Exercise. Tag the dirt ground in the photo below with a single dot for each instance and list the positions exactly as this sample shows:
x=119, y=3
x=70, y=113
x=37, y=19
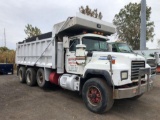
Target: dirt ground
x=21, y=102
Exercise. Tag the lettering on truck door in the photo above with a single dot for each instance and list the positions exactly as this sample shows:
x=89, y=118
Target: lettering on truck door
x=71, y=66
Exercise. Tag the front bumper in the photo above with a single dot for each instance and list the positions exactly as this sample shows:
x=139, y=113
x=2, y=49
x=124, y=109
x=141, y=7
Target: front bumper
x=133, y=91
x=153, y=73
x=153, y=77
x=121, y=93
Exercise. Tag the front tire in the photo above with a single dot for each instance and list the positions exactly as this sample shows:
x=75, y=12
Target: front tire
x=97, y=95
x=31, y=77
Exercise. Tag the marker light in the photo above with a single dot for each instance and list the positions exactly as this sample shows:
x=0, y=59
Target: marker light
x=113, y=61
x=84, y=32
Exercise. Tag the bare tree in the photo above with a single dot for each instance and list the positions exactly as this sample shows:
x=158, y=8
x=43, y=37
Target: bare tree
x=31, y=31
x=88, y=11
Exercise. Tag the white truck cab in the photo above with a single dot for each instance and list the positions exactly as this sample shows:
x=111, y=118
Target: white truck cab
x=79, y=61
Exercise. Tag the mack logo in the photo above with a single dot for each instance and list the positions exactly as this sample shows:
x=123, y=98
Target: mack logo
x=106, y=57
x=103, y=58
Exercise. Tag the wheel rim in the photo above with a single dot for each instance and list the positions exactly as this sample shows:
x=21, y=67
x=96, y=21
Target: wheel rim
x=94, y=96
x=40, y=77
x=28, y=77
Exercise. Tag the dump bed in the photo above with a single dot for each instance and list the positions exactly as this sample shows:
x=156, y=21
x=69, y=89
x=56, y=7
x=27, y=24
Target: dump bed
x=36, y=53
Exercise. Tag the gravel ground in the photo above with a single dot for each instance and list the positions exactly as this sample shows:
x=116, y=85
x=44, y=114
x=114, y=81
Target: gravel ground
x=21, y=102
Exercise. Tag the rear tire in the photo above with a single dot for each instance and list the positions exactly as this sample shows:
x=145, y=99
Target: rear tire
x=42, y=83
x=22, y=74
x=31, y=77
x=97, y=95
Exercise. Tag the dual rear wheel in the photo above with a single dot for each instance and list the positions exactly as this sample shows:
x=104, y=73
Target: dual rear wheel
x=32, y=77
x=22, y=74
x=42, y=83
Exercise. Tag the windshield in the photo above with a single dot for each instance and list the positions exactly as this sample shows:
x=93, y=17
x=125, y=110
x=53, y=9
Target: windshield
x=94, y=43
x=124, y=48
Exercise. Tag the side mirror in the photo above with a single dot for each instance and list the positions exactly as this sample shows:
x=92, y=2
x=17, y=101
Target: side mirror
x=65, y=42
x=156, y=57
x=130, y=47
x=80, y=54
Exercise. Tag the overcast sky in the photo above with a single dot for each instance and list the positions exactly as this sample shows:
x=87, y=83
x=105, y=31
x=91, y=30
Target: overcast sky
x=15, y=14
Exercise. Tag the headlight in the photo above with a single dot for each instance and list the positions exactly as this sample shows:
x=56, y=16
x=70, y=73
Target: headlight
x=124, y=75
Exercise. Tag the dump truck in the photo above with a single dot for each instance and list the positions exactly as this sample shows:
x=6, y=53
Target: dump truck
x=125, y=48
x=75, y=57
x=152, y=53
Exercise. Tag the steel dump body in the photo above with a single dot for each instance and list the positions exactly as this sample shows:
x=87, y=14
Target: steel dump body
x=30, y=53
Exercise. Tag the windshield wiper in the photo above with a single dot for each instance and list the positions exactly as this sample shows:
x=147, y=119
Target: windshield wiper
x=102, y=49
x=97, y=50
x=125, y=51
x=92, y=50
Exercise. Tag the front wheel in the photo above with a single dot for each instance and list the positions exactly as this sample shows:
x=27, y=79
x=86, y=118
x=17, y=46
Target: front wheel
x=97, y=95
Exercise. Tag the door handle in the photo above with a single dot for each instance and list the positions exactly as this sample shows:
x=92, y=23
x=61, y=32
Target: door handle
x=68, y=55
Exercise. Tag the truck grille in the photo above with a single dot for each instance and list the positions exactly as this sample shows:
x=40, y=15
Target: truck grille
x=152, y=63
x=135, y=66
x=153, y=70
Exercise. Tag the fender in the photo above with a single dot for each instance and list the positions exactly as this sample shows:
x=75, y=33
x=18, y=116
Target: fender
x=104, y=73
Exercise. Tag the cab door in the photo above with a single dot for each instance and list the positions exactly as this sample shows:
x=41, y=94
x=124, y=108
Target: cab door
x=70, y=57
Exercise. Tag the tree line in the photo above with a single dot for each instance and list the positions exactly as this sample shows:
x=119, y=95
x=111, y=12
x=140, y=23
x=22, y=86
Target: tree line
x=7, y=55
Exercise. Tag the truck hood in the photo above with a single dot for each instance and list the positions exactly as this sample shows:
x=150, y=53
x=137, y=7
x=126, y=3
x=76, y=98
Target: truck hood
x=151, y=58
x=123, y=62
x=148, y=57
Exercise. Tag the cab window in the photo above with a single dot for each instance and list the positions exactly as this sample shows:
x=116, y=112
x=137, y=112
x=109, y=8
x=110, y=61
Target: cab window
x=72, y=44
x=95, y=43
x=114, y=49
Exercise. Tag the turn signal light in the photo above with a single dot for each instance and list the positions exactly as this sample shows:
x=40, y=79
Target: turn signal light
x=113, y=61
x=99, y=33
x=84, y=32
